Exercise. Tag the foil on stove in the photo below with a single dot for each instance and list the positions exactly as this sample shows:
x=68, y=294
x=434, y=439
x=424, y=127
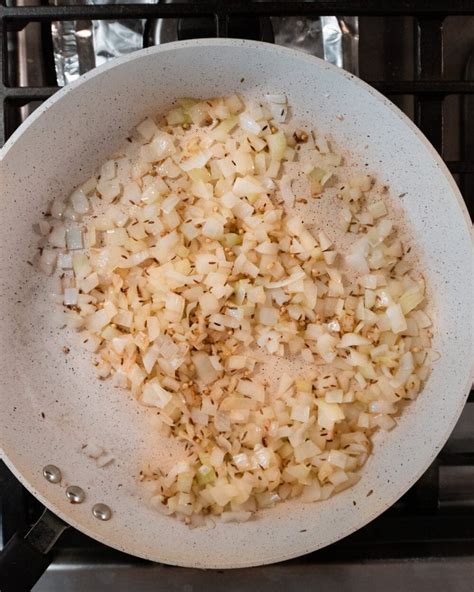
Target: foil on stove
x=79, y=46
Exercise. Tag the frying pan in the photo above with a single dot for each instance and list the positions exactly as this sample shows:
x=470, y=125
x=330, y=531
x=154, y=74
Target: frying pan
x=52, y=404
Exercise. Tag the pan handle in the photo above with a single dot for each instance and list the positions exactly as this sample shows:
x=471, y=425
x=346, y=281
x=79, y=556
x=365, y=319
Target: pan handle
x=25, y=558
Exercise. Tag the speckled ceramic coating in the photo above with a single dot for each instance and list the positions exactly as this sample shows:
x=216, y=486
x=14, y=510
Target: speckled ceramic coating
x=60, y=144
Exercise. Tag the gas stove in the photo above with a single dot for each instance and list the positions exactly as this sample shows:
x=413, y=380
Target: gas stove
x=421, y=55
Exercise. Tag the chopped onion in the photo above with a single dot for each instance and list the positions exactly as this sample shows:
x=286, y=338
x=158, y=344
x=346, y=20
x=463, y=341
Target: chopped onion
x=278, y=99
x=279, y=112
x=57, y=237
x=277, y=145
x=79, y=201
x=245, y=186
x=249, y=124
x=70, y=296
x=74, y=238
x=185, y=267
x=286, y=191
x=205, y=370
x=65, y=260
x=195, y=162
x=397, y=320
x=154, y=395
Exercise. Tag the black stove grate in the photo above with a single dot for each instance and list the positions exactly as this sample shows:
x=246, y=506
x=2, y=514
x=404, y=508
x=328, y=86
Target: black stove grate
x=422, y=523
x=428, y=88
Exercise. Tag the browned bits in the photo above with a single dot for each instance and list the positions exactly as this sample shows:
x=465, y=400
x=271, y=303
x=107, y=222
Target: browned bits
x=273, y=129
x=300, y=136
x=186, y=126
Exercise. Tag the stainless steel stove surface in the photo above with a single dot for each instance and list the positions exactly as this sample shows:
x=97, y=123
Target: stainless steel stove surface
x=426, y=540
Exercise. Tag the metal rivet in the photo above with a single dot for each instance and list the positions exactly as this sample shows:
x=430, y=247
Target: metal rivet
x=102, y=512
x=75, y=494
x=52, y=474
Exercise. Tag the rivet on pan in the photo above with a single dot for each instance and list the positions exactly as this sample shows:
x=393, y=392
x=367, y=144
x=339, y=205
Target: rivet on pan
x=52, y=474
x=102, y=512
x=75, y=494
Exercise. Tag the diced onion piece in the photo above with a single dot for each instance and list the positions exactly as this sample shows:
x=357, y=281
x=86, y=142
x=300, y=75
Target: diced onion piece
x=377, y=209
x=279, y=112
x=249, y=124
x=411, y=299
x=268, y=315
x=97, y=321
x=195, y=162
x=162, y=145
x=324, y=242
x=154, y=395
x=331, y=412
x=397, y=319
x=70, y=296
x=79, y=201
x=89, y=283
x=277, y=145
x=205, y=370
x=74, y=239
x=287, y=193
x=405, y=369
x=212, y=228
x=278, y=99
x=251, y=389
x=351, y=339
x=65, y=260
x=245, y=186
x=147, y=129
x=57, y=237
x=57, y=208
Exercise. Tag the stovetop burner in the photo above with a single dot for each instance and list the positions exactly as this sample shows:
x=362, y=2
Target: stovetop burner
x=200, y=27
x=238, y=27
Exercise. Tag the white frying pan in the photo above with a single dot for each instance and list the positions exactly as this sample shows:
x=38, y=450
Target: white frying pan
x=58, y=146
